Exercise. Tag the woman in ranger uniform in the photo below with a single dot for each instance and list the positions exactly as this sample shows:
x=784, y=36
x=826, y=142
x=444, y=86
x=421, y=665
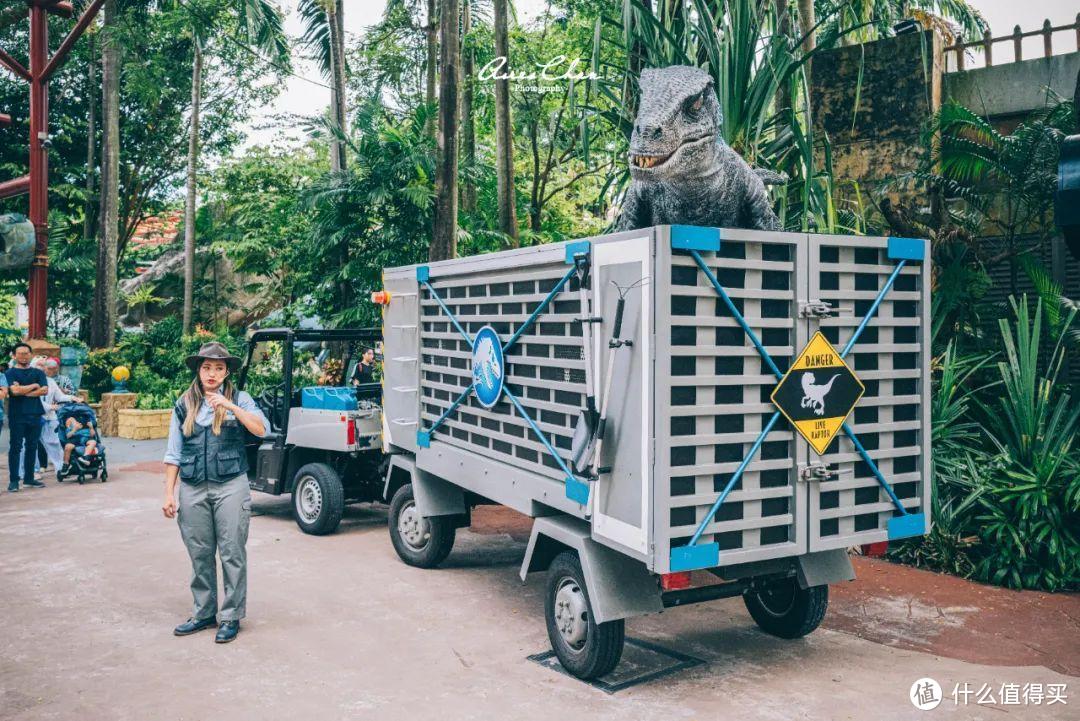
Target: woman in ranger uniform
x=206, y=454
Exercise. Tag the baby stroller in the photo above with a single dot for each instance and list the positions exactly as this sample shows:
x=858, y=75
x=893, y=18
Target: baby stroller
x=83, y=429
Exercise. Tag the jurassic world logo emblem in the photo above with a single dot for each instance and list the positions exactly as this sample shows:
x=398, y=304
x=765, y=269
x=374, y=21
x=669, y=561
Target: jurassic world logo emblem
x=489, y=373
x=818, y=393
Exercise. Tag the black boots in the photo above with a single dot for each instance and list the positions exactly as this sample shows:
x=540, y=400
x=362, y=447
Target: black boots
x=227, y=631
x=193, y=625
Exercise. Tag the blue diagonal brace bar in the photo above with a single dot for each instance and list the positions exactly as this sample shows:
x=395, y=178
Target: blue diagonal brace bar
x=572, y=484
x=539, y=309
x=446, y=310
x=424, y=437
x=736, y=476
x=735, y=312
x=873, y=309
x=706, y=555
x=843, y=354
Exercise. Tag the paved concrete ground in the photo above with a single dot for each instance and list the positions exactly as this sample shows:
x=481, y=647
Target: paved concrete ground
x=92, y=580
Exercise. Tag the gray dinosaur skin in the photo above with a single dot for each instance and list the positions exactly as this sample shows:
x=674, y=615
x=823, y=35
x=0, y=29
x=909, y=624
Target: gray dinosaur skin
x=681, y=170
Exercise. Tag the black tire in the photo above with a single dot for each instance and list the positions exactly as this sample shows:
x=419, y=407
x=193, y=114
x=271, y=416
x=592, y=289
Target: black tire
x=420, y=542
x=104, y=475
x=318, y=499
x=785, y=610
x=598, y=651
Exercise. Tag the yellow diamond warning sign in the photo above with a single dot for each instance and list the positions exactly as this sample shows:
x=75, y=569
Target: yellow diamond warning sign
x=818, y=393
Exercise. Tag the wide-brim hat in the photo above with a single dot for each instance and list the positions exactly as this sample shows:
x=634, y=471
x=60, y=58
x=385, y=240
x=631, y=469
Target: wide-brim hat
x=213, y=351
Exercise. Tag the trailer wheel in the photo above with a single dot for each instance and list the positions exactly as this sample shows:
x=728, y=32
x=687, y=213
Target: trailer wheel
x=585, y=648
x=419, y=541
x=318, y=499
x=784, y=609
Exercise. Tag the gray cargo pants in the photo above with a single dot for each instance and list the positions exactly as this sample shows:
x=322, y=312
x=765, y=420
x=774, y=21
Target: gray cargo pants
x=213, y=517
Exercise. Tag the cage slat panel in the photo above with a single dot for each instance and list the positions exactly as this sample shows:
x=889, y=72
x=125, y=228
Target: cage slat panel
x=890, y=359
x=715, y=389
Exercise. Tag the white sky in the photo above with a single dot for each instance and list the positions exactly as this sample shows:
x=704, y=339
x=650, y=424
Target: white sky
x=301, y=98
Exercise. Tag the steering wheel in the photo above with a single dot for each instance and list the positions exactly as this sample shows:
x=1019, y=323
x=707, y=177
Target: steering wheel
x=272, y=402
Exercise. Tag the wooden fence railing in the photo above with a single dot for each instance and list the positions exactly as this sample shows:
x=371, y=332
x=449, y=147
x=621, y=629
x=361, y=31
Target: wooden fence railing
x=1017, y=38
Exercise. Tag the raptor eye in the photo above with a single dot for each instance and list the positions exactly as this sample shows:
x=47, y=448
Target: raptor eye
x=694, y=105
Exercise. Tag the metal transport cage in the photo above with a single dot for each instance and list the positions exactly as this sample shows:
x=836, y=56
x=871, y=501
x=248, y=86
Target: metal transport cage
x=493, y=363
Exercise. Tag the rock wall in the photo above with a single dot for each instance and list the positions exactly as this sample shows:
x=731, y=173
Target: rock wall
x=871, y=101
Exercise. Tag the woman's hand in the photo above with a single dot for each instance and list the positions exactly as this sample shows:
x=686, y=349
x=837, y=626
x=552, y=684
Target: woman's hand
x=217, y=400
x=169, y=506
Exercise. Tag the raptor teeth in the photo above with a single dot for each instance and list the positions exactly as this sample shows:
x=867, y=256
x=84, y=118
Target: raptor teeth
x=648, y=161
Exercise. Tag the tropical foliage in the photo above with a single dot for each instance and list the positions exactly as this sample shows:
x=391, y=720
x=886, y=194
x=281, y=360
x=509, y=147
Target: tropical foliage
x=309, y=226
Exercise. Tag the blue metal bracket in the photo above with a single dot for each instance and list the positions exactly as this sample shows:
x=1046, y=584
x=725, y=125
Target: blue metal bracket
x=575, y=489
x=707, y=555
x=693, y=237
x=906, y=249
x=579, y=247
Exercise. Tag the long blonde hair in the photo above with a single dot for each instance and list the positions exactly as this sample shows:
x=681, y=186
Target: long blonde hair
x=193, y=400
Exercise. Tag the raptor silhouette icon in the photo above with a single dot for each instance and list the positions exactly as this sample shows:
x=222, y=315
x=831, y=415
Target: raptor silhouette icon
x=814, y=395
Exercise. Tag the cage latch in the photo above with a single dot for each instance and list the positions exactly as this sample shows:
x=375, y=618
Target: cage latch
x=816, y=472
x=815, y=309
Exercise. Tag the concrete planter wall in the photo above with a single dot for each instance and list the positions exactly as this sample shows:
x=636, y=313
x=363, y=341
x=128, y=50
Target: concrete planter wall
x=143, y=425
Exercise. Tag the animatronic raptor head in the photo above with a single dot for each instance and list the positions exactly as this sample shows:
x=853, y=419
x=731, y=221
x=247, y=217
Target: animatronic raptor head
x=677, y=126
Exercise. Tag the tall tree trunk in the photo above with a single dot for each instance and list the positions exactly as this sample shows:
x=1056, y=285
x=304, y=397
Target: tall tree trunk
x=444, y=240
x=192, y=187
x=504, y=137
x=807, y=21
x=468, y=129
x=432, y=48
x=336, y=21
x=103, y=329
x=91, y=144
x=338, y=162
x=783, y=28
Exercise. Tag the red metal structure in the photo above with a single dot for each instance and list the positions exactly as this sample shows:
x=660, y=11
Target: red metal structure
x=42, y=67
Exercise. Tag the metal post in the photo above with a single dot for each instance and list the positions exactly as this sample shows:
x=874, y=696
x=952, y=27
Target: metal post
x=37, y=181
x=39, y=169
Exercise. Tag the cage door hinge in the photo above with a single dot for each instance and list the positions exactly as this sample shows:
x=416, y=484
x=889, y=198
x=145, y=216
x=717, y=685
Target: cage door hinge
x=815, y=309
x=816, y=472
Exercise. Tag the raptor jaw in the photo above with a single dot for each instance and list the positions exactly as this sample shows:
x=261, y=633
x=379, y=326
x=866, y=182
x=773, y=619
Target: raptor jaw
x=646, y=161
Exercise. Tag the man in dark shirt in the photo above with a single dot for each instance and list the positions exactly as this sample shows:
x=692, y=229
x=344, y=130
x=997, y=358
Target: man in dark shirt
x=26, y=386
x=365, y=369
x=364, y=375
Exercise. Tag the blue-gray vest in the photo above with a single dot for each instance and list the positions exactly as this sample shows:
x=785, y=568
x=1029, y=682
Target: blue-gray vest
x=206, y=457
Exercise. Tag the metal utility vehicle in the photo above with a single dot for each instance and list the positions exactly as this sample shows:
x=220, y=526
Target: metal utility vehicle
x=662, y=401
x=324, y=456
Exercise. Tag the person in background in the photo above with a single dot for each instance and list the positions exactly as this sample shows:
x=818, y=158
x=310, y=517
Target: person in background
x=38, y=362
x=3, y=394
x=51, y=402
x=65, y=383
x=365, y=369
x=364, y=374
x=26, y=387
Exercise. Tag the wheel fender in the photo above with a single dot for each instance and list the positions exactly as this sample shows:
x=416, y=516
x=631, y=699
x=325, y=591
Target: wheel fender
x=823, y=568
x=619, y=586
x=433, y=495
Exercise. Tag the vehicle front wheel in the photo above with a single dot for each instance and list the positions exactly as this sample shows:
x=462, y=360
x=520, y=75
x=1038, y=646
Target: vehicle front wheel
x=419, y=541
x=318, y=499
x=585, y=648
x=785, y=610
